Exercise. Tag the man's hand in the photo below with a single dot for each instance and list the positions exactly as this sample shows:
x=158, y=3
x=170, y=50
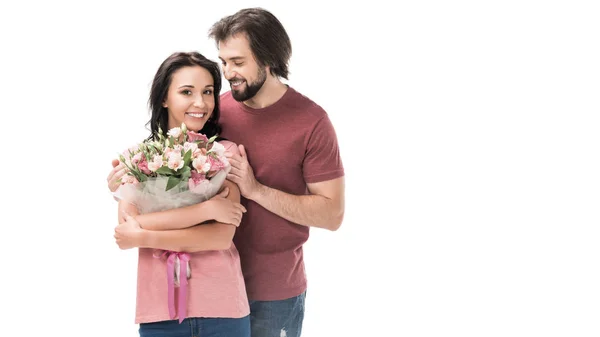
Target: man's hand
x=128, y=234
x=242, y=174
x=117, y=173
x=224, y=210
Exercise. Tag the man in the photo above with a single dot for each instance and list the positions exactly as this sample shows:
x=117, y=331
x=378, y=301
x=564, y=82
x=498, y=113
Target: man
x=290, y=172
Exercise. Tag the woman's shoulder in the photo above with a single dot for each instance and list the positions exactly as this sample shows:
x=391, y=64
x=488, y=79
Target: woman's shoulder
x=230, y=146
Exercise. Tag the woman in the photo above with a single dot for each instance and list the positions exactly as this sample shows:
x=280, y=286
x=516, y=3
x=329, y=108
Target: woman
x=186, y=90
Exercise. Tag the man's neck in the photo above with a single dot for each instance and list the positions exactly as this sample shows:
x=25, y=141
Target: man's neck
x=271, y=92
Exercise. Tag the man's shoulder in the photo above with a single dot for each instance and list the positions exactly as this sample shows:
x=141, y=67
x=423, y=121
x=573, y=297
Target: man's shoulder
x=305, y=104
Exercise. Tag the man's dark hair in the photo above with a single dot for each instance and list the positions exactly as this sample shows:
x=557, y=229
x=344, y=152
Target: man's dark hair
x=268, y=40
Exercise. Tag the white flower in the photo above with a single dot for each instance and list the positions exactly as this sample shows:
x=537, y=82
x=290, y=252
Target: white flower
x=217, y=148
x=190, y=146
x=175, y=161
x=156, y=163
x=201, y=164
x=174, y=132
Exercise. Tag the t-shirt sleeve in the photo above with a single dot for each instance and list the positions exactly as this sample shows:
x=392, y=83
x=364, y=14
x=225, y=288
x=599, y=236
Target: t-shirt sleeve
x=230, y=147
x=322, y=161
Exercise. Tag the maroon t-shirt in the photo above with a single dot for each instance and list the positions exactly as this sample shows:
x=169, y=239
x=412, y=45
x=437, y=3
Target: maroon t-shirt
x=288, y=144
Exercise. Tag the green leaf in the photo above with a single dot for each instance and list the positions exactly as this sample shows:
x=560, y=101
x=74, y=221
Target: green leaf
x=187, y=157
x=138, y=175
x=186, y=173
x=165, y=170
x=172, y=182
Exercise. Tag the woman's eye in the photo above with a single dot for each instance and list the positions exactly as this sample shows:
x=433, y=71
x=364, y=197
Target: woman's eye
x=186, y=92
x=208, y=92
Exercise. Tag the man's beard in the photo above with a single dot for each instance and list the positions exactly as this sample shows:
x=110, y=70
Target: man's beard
x=251, y=88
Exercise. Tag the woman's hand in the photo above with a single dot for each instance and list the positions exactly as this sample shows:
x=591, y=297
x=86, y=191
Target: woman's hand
x=117, y=173
x=223, y=210
x=128, y=234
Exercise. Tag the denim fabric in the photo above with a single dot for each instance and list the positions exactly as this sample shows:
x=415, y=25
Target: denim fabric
x=277, y=318
x=196, y=327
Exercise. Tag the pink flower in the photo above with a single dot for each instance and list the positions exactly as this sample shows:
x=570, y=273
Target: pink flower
x=196, y=181
x=216, y=164
x=136, y=158
x=143, y=166
x=194, y=136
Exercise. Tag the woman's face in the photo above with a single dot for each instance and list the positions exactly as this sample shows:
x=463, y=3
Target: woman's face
x=190, y=98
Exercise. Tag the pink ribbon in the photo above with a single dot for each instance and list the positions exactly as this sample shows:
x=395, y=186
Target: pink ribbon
x=183, y=259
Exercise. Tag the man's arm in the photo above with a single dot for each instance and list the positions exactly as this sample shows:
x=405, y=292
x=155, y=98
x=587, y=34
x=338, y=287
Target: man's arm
x=323, y=208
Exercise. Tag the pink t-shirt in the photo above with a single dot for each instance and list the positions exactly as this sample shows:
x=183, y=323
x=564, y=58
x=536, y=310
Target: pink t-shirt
x=216, y=288
x=289, y=144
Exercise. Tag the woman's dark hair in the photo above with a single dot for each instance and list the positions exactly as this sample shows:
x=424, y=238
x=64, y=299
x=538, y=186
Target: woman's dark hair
x=268, y=40
x=160, y=88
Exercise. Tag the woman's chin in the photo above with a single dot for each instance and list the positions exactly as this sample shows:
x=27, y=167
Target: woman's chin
x=194, y=125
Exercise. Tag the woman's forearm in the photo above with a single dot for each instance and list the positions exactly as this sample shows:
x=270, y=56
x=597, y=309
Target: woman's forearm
x=177, y=218
x=210, y=236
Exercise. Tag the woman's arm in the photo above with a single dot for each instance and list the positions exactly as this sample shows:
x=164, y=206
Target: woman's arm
x=211, y=236
x=219, y=208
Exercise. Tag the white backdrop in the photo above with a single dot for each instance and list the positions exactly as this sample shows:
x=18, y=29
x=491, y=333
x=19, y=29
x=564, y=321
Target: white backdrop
x=468, y=129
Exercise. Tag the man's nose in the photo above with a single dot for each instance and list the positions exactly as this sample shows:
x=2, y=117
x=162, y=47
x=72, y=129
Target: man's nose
x=227, y=73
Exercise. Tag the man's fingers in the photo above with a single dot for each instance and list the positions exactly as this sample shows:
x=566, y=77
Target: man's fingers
x=234, y=178
x=235, y=163
x=242, y=150
x=233, y=156
x=236, y=171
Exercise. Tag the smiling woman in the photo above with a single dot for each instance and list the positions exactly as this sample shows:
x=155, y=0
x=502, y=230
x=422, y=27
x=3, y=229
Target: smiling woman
x=186, y=88
x=185, y=92
x=190, y=99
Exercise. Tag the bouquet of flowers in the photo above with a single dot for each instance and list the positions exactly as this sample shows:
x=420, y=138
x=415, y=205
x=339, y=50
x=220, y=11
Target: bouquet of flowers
x=181, y=169
x=177, y=170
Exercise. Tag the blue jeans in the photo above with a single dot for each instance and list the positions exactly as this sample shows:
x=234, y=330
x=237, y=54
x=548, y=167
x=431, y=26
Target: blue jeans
x=195, y=327
x=277, y=318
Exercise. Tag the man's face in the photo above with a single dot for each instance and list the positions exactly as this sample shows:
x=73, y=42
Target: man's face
x=244, y=74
